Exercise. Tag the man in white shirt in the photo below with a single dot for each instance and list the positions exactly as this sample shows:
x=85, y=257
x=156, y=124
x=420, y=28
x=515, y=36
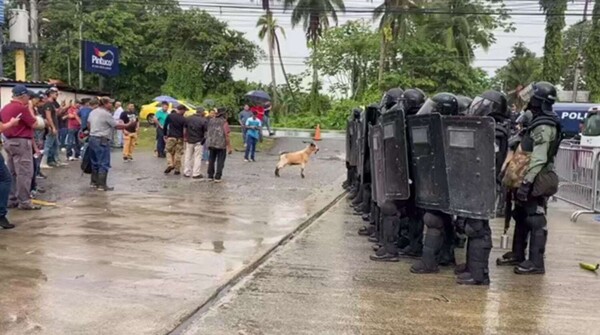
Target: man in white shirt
x=118, y=141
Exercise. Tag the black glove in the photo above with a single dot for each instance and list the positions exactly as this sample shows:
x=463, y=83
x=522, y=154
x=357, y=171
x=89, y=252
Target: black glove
x=523, y=191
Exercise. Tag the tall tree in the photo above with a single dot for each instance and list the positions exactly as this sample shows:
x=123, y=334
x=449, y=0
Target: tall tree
x=268, y=29
x=592, y=51
x=521, y=69
x=553, y=44
x=314, y=14
x=394, y=23
x=460, y=26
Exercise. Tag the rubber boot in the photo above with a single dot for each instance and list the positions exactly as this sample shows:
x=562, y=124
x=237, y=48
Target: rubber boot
x=537, y=248
x=478, y=253
x=102, y=186
x=431, y=251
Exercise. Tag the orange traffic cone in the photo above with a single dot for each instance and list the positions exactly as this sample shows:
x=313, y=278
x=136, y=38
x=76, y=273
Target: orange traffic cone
x=317, y=133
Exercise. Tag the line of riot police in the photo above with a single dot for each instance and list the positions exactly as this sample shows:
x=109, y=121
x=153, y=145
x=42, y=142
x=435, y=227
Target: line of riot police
x=442, y=163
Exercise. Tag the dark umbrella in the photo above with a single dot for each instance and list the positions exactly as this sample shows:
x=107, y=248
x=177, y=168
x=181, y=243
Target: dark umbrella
x=258, y=95
x=166, y=98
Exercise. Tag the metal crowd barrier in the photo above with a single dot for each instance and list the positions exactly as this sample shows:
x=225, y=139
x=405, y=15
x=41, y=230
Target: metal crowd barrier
x=577, y=169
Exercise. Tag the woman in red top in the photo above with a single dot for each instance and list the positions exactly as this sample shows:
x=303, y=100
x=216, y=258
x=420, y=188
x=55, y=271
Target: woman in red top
x=73, y=125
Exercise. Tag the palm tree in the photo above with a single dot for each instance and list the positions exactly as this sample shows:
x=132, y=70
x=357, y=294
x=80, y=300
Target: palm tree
x=314, y=14
x=268, y=29
x=394, y=24
x=460, y=31
x=553, y=44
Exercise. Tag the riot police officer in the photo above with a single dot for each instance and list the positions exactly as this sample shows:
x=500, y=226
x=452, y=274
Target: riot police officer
x=476, y=272
x=542, y=139
x=351, y=150
x=463, y=103
x=438, y=223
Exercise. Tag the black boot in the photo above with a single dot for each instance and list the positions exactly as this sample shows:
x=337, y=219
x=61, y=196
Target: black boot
x=94, y=180
x=519, y=244
x=446, y=257
x=478, y=253
x=102, y=186
x=431, y=251
x=415, y=234
x=5, y=224
x=537, y=248
x=389, y=250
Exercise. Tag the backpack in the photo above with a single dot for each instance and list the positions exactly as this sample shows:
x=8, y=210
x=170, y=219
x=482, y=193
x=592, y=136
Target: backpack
x=86, y=161
x=216, y=137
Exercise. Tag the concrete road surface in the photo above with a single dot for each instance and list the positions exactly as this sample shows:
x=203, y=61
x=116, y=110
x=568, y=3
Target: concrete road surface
x=141, y=259
x=323, y=282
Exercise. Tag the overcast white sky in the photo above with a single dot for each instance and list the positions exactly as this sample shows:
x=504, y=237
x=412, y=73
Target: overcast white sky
x=529, y=29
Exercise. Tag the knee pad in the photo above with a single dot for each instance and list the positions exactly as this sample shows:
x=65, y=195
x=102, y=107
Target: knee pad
x=388, y=208
x=474, y=227
x=536, y=222
x=433, y=221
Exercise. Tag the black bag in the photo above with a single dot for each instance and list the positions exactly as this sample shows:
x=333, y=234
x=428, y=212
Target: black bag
x=86, y=161
x=545, y=184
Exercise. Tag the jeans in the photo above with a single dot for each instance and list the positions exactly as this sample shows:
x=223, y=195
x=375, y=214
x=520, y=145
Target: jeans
x=250, y=147
x=51, y=148
x=73, y=145
x=62, y=137
x=36, y=172
x=244, y=133
x=20, y=164
x=216, y=156
x=267, y=123
x=100, y=155
x=5, y=182
x=160, y=142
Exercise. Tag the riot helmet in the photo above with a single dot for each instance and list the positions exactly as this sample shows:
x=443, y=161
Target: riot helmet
x=490, y=103
x=524, y=119
x=356, y=113
x=442, y=103
x=391, y=97
x=463, y=103
x=412, y=100
x=540, y=96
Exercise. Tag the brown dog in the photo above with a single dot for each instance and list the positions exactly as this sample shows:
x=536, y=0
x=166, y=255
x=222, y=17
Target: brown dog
x=297, y=158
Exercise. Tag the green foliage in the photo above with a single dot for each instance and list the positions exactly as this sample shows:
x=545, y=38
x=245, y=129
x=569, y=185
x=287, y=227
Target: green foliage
x=521, y=69
x=571, y=39
x=553, y=44
x=592, y=50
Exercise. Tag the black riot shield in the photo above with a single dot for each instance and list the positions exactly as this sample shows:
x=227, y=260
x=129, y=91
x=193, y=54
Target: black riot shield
x=395, y=156
x=373, y=149
x=354, y=145
x=428, y=162
x=469, y=146
x=349, y=130
x=368, y=117
x=378, y=174
x=361, y=146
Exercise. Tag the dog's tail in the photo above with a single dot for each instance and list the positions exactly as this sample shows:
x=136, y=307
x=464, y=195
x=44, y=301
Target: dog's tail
x=281, y=153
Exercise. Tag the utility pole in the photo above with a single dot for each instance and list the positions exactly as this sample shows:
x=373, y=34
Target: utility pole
x=579, y=51
x=34, y=39
x=80, y=5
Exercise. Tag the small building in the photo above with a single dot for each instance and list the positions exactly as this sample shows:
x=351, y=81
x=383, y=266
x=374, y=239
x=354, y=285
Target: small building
x=66, y=95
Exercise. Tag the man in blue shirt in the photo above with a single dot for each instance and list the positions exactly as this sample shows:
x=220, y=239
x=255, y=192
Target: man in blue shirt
x=159, y=120
x=253, y=126
x=85, y=110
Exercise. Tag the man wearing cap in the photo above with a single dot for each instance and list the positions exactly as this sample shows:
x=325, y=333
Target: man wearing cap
x=102, y=125
x=174, y=125
x=159, y=120
x=19, y=148
x=219, y=145
x=195, y=131
x=51, y=110
x=131, y=133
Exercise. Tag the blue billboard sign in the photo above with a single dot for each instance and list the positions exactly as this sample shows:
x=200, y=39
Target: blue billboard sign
x=100, y=58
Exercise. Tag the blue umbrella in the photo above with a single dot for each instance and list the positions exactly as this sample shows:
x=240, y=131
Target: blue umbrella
x=166, y=98
x=260, y=95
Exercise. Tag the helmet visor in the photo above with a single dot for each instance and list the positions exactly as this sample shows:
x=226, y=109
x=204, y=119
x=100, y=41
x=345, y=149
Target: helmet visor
x=428, y=107
x=481, y=107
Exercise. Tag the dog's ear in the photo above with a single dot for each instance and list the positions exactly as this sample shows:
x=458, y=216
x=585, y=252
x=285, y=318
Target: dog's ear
x=307, y=142
x=313, y=144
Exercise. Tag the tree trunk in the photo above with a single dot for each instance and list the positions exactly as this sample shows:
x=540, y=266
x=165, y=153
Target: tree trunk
x=315, y=83
x=273, y=80
x=382, y=52
x=287, y=82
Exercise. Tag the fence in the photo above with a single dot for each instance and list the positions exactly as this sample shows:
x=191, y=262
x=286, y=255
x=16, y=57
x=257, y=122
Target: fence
x=577, y=169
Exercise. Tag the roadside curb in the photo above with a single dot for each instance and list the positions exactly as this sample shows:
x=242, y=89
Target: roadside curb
x=223, y=289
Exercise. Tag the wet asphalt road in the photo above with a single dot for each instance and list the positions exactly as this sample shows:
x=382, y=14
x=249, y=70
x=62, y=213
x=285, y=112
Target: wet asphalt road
x=140, y=259
x=323, y=282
